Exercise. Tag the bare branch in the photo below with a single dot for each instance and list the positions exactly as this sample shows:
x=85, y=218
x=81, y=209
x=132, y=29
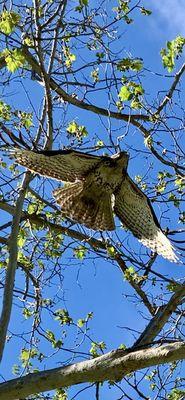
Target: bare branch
x=162, y=316
x=12, y=264
x=136, y=286
x=79, y=103
x=169, y=95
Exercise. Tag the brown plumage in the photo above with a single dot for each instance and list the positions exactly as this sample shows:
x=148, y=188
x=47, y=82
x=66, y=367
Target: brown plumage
x=99, y=186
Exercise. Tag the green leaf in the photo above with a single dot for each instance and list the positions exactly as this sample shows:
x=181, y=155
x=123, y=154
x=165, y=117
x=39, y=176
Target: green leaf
x=126, y=63
x=26, y=119
x=3, y=164
x=125, y=93
x=176, y=394
x=100, y=55
x=172, y=287
x=95, y=75
x=51, y=337
x=8, y=21
x=14, y=59
x=132, y=91
x=69, y=57
x=175, y=200
x=111, y=251
x=72, y=127
x=60, y=394
x=138, y=89
x=80, y=252
x=21, y=238
x=99, y=143
x=78, y=131
x=81, y=322
x=173, y=52
x=144, y=11
x=160, y=188
x=95, y=347
x=136, y=104
x=27, y=313
x=63, y=317
x=5, y=111
x=122, y=346
x=132, y=276
x=128, y=20
x=180, y=182
x=26, y=355
x=28, y=41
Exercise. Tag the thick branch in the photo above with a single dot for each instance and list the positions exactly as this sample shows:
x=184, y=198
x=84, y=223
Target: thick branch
x=162, y=316
x=12, y=264
x=111, y=366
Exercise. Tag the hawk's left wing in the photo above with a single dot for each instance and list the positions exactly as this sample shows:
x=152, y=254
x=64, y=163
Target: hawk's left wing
x=134, y=210
x=63, y=165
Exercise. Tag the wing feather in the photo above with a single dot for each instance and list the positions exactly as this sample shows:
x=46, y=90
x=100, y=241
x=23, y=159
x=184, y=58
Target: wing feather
x=135, y=212
x=63, y=165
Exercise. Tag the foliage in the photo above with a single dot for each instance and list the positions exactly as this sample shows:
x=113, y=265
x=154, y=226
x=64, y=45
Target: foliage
x=14, y=59
x=173, y=52
x=8, y=21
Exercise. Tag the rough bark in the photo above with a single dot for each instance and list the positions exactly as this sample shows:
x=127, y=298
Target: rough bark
x=111, y=366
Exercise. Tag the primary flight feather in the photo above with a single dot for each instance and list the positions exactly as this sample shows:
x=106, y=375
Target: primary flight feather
x=99, y=186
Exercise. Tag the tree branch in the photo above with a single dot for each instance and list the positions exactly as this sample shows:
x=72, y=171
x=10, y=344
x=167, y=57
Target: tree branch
x=12, y=264
x=136, y=286
x=79, y=103
x=133, y=119
x=95, y=244
x=169, y=95
x=160, y=319
x=111, y=366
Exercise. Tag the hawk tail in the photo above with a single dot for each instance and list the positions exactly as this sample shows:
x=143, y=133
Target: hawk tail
x=79, y=205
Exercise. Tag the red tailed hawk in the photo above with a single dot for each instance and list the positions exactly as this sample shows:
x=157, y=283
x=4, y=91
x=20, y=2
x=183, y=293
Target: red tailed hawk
x=99, y=186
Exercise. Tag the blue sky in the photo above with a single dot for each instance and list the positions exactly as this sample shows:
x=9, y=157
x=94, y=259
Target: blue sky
x=97, y=285
x=168, y=12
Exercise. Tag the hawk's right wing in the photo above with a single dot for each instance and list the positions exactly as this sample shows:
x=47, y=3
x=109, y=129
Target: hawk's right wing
x=63, y=165
x=134, y=210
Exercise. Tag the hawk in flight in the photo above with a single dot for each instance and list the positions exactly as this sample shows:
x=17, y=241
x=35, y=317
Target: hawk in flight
x=98, y=187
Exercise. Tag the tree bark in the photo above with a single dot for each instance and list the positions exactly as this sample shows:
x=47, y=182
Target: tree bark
x=111, y=366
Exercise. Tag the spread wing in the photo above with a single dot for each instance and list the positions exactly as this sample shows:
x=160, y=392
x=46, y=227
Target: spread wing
x=63, y=165
x=135, y=212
